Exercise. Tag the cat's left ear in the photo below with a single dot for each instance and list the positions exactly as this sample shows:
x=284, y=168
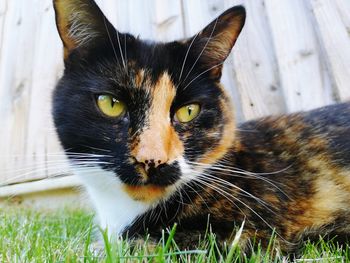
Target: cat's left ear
x=214, y=43
x=81, y=23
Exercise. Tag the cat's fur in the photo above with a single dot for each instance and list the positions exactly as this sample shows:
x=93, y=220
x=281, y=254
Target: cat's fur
x=145, y=170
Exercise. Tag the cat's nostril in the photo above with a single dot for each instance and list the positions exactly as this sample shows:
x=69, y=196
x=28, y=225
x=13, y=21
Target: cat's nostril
x=148, y=163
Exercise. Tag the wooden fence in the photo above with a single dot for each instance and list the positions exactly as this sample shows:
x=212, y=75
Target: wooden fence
x=292, y=55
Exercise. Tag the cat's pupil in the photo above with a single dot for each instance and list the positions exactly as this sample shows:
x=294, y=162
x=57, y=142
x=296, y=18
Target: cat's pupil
x=189, y=110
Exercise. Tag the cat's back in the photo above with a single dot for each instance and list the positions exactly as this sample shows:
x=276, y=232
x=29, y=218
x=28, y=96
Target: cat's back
x=333, y=123
x=321, y=132
x=307, y=150
x=336, y=114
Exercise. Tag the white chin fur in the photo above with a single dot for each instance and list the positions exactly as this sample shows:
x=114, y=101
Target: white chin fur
x=115, y=209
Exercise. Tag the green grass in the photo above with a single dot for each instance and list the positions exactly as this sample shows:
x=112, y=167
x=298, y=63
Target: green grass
x=68, y=236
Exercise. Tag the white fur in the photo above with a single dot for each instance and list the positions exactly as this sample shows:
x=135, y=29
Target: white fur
x=186, y=171
x=115, y=208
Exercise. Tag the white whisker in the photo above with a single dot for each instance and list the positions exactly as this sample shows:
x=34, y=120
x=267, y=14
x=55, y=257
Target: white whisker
x=186, y=55
x=111, y=41
x=205, y=71
x=229, y=186
x=235, y=172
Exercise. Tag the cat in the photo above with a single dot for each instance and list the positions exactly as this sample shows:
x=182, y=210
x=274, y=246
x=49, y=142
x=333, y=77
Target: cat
x=150, y=131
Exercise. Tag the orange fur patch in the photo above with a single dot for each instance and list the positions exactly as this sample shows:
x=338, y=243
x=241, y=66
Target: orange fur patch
x=331, y=196
x=159, y=141
x=331, y=192
x=146, y=193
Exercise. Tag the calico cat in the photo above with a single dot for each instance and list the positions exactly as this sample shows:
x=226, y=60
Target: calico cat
x=150, y=131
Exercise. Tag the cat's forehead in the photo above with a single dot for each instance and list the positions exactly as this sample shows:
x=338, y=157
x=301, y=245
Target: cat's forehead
x=146, y=68
x=142, y=77
x=160, y=85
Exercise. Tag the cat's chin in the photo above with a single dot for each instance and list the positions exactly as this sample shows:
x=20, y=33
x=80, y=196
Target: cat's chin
x=149, y=193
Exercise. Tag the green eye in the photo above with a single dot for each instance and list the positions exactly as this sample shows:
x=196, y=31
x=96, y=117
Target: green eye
x=188, y=112
x=110, y=106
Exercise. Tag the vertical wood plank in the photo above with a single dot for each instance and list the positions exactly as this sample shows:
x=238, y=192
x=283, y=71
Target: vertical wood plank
x=301, y=68
x=333, y=27
x=3, y=9
x=198, y=13
x=126, y=16
x=47, y=66
x=343, y=7
x=255, y=68
x=31, y=55
x=140, y=11
x=168, y=20
x=15, y=86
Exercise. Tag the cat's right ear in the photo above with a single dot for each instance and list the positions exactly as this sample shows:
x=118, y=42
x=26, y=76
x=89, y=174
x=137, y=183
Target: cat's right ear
x=81, y=23
x=213, y=44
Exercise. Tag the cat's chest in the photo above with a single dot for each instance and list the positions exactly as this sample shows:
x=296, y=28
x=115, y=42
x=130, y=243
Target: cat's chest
x=115, y=209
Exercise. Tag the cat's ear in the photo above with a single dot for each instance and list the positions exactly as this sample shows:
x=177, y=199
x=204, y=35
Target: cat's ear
x=81, y=23
x=214, y=43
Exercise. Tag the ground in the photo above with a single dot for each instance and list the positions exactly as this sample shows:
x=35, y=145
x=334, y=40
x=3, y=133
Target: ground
x=70, y=236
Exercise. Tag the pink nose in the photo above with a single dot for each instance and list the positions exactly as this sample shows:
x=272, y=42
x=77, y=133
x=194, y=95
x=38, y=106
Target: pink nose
x=151, y=158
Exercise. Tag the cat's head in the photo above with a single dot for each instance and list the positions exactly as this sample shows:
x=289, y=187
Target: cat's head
x=148, y=112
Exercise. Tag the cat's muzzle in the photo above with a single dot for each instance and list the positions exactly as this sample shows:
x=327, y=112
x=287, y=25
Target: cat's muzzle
x=161, y=175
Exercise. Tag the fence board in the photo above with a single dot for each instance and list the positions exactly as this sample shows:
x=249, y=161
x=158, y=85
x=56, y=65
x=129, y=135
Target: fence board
x=330, y=18
x=3, y=9
x=255, y=66
x=168, y=20
x=15, y=70
x=46, y=66
x=300, y=66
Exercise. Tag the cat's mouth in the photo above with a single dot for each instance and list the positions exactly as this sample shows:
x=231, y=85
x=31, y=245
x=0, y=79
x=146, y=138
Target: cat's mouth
x=155, y=183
